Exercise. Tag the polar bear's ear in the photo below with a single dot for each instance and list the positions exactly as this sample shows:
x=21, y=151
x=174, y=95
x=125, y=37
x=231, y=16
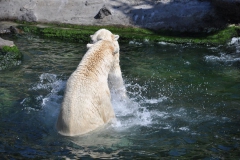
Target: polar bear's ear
x=116, y=37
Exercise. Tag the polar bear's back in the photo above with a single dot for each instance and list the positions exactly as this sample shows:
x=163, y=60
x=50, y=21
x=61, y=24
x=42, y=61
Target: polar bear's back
x=87, y=102
x=98, y=56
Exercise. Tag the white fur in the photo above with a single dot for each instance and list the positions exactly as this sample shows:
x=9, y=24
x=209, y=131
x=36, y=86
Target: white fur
x=87, y=101
x=115, y=80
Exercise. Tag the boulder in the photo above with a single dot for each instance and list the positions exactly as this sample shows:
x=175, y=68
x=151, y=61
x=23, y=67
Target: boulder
x=7, y=27
x=184, y=15
x=229, y=10
x=5, y=43
x=103, y=12
x=28, y=16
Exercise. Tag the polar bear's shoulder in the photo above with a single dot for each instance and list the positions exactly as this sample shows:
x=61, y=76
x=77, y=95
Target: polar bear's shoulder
x=101, y=44
x=98, y=55
x=101, y=47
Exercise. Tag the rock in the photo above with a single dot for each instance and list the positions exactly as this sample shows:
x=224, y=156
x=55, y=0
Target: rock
x=184, y=15
x=228, y=9
x=6, y=43
x=5, y=27
x=13, y=30
x=5, y=31
x=104, y=11
x=29, y=16
x=27, y=12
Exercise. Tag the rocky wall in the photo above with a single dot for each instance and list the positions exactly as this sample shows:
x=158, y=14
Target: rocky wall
x=184, y=15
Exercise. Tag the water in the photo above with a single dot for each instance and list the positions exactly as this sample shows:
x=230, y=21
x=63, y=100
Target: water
x=185, y=103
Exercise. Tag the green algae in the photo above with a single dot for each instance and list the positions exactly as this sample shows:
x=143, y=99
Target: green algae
x=78, y=33
x=13, y=49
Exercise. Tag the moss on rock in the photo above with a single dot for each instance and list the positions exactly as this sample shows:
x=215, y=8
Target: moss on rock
x=81, y=33
x=9, y=56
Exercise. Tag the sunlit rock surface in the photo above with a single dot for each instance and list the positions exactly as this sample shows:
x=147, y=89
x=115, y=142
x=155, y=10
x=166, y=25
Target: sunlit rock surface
x=184, y=15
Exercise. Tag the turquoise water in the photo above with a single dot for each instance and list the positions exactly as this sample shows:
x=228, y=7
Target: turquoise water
x=185, y=103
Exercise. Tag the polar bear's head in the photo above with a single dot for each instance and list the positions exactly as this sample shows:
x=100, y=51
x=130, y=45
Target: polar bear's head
x=104, y=34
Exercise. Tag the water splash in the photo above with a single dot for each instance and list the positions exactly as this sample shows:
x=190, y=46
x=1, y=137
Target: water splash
x=48, y=100
x=227, y=59
x=135, y=112
x=134, y=42
x=234, y=41
x=166, y=43
x=230, y=57
x=138, y=111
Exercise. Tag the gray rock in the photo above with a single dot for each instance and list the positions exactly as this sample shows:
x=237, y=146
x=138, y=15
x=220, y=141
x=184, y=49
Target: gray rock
x=228, y=10
x=4, y=27
x=104, y=11
x=6, y=43
x=183, y=15
x=9, y=27
x=28, y=11
x=5, y=31
x=29, y=16
x=14, y=30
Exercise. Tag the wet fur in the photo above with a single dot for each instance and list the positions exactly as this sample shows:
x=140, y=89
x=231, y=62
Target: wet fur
x=87, y=100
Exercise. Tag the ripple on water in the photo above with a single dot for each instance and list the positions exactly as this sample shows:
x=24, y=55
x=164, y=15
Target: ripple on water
x=183, y=104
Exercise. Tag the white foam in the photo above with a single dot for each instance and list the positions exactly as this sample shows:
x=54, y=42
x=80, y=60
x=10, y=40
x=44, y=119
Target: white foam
x=226, y=58
x=129, y=113
x=234, y=41
x=134, y=42
x=146, y=40
x=187, y=63
x=166, y=43
x=50, y=103
x=137, y=111
x=184, y=129
x=154, y=100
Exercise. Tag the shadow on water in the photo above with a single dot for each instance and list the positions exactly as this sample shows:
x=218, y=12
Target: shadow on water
x=184, y=103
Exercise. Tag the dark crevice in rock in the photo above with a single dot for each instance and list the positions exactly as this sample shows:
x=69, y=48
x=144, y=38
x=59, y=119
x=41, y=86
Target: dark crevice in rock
x=103, y=12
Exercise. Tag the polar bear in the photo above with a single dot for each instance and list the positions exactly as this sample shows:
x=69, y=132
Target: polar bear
x=115, y=80
x=87, y=100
